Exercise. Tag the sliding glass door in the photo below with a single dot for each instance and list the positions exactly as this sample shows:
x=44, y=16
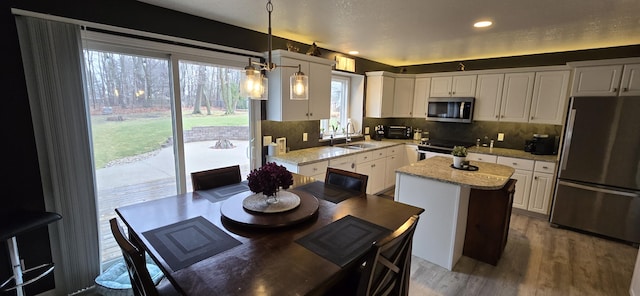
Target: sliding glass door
x=155, y=117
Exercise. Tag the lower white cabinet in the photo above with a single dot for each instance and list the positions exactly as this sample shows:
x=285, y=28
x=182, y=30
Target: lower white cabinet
x=375, y=169
x=316, y=170
x=482, y=157
x=523, y=188
x=542, y=187
x=347, y=163
x=393, y=162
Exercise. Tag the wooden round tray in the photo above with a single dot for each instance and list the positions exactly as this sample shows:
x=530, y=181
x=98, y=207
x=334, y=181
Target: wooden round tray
x=233, y=210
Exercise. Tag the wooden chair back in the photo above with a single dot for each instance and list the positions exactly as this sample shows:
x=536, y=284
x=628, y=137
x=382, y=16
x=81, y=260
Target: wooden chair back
x=388, y=263
x=347, y=179
x=141, y=281
x=214, y=178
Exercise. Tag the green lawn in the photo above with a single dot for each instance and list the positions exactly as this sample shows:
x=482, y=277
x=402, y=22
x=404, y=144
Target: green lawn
x=145, y=133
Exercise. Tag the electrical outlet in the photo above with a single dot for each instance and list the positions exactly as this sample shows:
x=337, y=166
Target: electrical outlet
x=266, y=140
x=304, y=137
x=500, y=137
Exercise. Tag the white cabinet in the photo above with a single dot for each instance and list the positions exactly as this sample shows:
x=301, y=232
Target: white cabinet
x=411, y=154
x=347, y=163
x=393, y=161
x=488, y=97
x=630, y=85
x=316, y=170
x=453, y=86
x=420, y=96
x=607, y=80
x=279, y=105
x=516, y=97
x=597, y=80
x=375, y=169
x=524, y=175
x=523, y=188
x=482, y=157
x=380, y=92
x=549, y=97
x=541, y=187
x=403, y=96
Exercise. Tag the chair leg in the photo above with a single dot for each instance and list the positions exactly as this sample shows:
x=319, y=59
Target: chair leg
x=12, y=245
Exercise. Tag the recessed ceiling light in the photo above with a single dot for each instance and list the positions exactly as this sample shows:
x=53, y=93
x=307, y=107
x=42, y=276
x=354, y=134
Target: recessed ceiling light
x=482, y=24
x=354, y=52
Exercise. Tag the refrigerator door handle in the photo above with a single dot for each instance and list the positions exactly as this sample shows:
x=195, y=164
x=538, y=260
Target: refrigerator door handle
x=598, y=189
x=567, y=139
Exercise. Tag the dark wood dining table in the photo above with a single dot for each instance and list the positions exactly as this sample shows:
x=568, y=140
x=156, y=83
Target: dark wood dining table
x=268, y=261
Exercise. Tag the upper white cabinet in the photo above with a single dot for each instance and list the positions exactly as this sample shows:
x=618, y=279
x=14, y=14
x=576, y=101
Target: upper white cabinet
x=380, y=92
x=403, y=96
x=630, y=85
x=420, y=96
x=488, y=97
x=516, y=97
x=607, y=80
x=279, y=105
x=453, y=86
x=549, y=97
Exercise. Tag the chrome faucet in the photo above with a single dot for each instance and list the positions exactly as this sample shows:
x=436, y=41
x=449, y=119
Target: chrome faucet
x=348, y=138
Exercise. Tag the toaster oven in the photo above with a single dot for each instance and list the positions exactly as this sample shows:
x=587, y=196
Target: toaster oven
x=397, y=132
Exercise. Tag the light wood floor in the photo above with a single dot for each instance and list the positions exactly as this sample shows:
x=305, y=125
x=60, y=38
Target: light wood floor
x=538, y=260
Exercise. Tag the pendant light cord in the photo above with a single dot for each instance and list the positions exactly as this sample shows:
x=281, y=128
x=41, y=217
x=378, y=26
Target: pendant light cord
x=270, y=65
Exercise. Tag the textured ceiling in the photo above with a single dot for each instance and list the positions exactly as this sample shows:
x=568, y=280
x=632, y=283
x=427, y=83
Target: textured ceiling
x=412, y=32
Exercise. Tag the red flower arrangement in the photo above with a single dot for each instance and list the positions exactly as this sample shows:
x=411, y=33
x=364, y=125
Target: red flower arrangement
x=269, y=178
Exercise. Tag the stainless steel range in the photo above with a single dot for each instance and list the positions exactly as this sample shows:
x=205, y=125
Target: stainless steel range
x=433, y=147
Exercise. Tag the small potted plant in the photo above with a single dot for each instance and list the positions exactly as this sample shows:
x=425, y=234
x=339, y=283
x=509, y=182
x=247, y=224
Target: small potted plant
x=459, y=154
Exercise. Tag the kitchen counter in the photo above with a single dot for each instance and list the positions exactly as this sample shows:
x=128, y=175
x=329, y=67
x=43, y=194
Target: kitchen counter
x=512, y=153
x=316, y=154
x=489, y=176
x=444, y=194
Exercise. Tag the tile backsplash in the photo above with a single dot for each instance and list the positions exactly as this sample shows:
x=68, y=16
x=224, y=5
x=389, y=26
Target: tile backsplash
x=515, y=133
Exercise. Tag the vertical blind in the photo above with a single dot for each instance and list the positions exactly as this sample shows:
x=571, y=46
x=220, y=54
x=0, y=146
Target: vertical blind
x=52, y=59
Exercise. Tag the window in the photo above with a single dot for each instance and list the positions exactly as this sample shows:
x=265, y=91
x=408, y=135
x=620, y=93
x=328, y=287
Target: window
x=149, y=136
x=339, y=107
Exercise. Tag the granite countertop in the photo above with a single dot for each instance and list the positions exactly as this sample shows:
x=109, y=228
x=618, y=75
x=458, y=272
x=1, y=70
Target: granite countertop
x=316, y=154
x=489, y=176
x=512, y=153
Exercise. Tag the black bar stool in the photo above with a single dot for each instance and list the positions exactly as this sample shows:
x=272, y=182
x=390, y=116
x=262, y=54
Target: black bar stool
x=12, y=225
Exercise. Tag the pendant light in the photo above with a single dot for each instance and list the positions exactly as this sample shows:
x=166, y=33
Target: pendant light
x=254, y=83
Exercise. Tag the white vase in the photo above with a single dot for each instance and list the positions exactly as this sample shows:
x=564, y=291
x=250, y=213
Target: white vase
x=457, y=161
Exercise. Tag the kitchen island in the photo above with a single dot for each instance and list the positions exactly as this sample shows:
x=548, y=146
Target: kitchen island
x=443, y=192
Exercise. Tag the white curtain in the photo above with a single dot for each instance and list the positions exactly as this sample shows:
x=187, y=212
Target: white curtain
x=53, y=64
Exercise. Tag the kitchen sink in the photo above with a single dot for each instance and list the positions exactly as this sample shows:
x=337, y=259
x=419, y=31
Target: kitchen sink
x=358, y=146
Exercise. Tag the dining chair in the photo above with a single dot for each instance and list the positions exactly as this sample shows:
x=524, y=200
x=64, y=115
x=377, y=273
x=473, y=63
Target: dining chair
x=385, y=268
x=347, y=179
x=387, y=265
x=141, y=281
x=213, y=178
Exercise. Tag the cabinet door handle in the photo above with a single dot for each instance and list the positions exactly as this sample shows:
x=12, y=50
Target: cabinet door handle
x=615, y=89
x=497, y=116
x=501, y=116
x=353, y=165
x=311, y=114
x=531, y=117
x=624, y=89
x=315, y=169
x=535, y=178
x=545, y=167
x=514, y=163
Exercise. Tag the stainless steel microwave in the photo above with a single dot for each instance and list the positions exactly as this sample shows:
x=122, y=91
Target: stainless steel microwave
x=450, y=109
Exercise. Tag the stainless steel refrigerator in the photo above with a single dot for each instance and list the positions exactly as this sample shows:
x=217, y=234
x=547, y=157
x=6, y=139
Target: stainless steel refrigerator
x=598, y=183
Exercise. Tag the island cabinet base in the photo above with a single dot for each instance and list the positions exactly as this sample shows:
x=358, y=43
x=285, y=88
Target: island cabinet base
x=439, y=237
x=488, y=223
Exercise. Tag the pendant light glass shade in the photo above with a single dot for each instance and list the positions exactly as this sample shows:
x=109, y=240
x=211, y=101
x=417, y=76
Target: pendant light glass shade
x=253, y=84
x=299, y=86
